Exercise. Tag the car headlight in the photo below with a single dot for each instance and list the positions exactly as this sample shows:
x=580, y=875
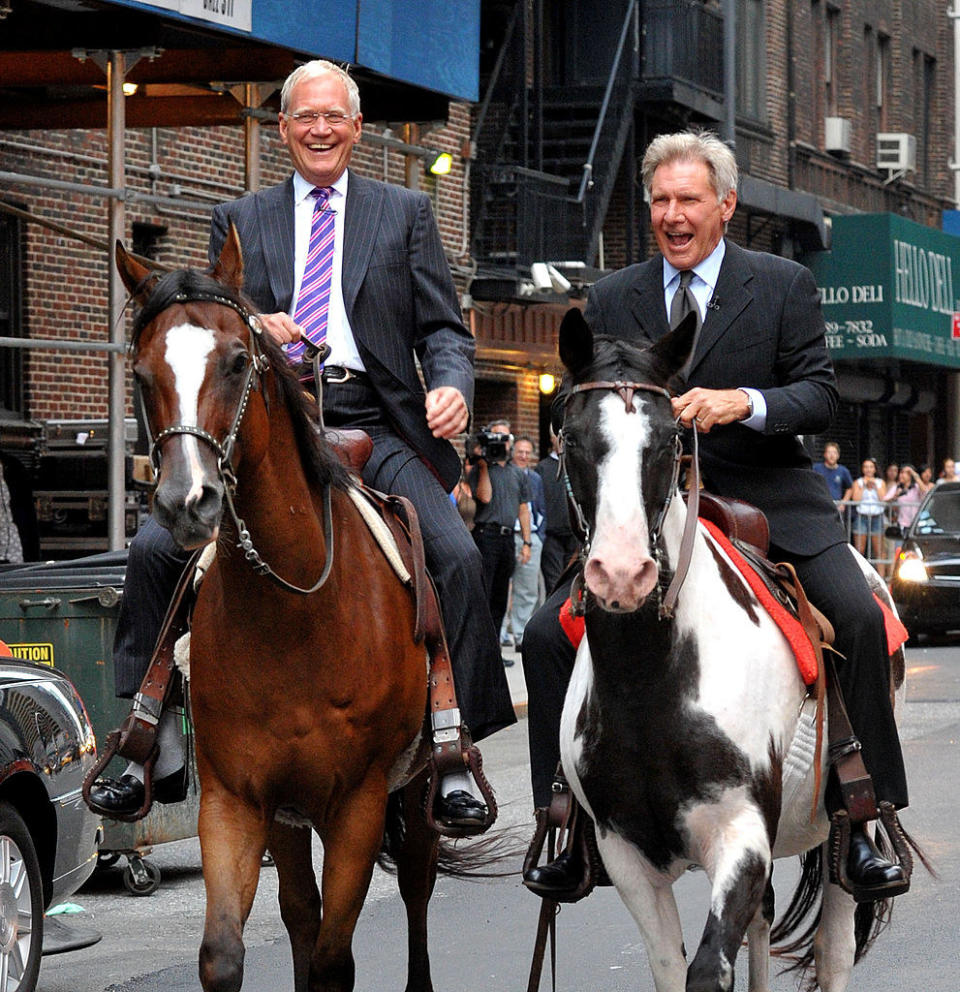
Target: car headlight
x=912, y=568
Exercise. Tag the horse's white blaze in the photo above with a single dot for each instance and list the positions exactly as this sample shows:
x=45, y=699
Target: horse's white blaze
x=187, y=349
x=619, y=567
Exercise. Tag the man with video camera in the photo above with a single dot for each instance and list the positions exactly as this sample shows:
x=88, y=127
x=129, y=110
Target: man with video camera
x=503, y=494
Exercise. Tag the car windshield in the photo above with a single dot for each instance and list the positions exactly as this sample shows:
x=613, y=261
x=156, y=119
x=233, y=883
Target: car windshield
x=939, y=515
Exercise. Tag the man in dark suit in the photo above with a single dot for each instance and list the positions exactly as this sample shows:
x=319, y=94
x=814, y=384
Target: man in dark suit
x=759, y=375
x=390, y=302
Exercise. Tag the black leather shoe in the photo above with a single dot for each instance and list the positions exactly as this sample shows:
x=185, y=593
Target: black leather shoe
x=557, y=879
x=124, y=796
x=459, y=809
x=871, y=875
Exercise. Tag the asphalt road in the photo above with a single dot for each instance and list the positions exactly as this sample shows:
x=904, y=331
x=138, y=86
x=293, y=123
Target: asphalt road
x=482, y=932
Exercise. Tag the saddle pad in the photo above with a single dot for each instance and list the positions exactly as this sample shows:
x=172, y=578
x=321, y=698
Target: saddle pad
x=789, y=626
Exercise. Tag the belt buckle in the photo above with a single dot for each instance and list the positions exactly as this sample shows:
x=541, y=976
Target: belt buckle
x=344, y=377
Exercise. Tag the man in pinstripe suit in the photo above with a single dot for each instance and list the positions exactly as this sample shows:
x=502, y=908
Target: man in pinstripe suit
x=758, y=376
x=392, y=302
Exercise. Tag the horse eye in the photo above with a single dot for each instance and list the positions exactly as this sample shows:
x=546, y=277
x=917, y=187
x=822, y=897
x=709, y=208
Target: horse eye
x=239, y=363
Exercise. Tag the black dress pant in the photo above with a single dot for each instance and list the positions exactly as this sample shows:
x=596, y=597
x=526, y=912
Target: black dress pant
x=834, y=583
x=499, y=556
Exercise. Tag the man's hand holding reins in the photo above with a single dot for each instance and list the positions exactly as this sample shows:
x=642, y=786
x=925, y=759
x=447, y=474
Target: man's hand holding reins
x=708, y=408
x=281, y=327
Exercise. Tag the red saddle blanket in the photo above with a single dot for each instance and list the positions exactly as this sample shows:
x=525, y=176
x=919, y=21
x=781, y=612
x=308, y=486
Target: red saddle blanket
x=573, y=625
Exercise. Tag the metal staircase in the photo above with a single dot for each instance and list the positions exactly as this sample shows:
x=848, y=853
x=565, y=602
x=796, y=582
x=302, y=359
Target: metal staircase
x=547, y=158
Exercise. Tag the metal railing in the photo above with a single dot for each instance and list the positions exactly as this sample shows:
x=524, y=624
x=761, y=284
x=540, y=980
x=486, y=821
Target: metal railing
x=869, y=534
x=683, y=40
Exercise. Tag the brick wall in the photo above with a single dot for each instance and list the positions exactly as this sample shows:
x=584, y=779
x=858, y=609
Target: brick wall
x=65, y=283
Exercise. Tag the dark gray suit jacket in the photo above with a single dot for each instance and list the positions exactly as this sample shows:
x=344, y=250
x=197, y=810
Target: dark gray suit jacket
x=399, y=296
x=764, y=329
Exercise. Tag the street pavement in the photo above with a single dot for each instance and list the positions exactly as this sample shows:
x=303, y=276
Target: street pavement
x=482, y=932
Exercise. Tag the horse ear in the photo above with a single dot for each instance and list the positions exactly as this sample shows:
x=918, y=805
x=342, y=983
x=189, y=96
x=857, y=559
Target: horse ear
x=229, y=267
x=576, y=340
x=674, y=349
x=134, y=275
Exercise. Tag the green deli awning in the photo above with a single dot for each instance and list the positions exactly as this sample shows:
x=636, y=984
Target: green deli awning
x=887, y=289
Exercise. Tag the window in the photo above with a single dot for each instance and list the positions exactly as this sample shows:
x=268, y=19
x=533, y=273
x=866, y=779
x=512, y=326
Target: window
x=882, y=80
x=831, y=38
x=11, y=279
x=751, y=59
x=925, y=76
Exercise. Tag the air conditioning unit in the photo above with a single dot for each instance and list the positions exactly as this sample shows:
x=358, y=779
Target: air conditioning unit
x=836, y=135
x=896, y=152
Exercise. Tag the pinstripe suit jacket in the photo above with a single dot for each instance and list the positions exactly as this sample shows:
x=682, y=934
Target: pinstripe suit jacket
x=765, y=330
x=397, y=290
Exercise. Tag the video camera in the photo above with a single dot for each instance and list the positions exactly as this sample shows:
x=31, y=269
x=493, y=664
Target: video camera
x=493, y=446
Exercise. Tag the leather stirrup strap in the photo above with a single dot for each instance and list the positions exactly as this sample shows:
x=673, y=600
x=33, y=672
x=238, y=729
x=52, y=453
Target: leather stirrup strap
x=856, y=785
x=139, y=731
x=452, y=750
x=136, y=738
x=813, y=631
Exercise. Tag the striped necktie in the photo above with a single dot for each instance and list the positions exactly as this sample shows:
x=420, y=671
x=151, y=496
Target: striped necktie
x=313, y=303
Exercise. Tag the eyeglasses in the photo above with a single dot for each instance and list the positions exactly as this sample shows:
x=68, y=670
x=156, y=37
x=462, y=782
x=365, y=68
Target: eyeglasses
x=308, y=118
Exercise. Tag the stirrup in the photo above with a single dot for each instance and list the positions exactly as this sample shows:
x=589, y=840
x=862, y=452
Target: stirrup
x=569, y=825
x=841, y=827
x=453, y=756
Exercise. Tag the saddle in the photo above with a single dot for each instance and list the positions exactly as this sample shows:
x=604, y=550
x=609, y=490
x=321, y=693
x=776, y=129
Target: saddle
x=452, y=748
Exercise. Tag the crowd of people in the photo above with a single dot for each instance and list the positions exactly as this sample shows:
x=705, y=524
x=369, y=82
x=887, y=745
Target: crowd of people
x=873, y=503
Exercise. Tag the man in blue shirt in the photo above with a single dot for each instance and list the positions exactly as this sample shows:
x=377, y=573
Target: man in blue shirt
x=836, y=475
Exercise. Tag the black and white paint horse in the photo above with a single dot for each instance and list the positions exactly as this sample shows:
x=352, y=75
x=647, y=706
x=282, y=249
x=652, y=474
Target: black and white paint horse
x=688, y=740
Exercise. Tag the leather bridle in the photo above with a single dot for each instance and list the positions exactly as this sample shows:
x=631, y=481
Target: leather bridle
x=626, y=390
x=259, y=363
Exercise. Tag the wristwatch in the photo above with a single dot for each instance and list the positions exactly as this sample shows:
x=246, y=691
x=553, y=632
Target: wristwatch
x=528, y=544
x=749, y=404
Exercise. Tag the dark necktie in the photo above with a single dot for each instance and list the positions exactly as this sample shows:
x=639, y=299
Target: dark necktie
x=313, y=302
x=685, y=302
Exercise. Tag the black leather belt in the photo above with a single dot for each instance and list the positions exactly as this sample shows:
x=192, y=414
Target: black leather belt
x=333, y=374
x=496, y=529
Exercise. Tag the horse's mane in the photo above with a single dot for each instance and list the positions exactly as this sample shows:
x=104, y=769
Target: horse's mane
x=321, y=465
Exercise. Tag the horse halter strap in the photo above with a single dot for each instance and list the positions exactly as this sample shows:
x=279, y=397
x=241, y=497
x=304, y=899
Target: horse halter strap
x=258, y=364
x=224, y=449
x=626, y=390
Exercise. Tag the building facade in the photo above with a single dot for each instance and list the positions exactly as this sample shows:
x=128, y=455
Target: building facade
x=841, y=115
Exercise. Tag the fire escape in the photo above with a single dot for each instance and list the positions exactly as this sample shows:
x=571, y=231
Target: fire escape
x=548, y=155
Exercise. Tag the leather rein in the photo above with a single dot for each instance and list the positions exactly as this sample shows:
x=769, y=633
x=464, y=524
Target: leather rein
x=259, y=364
x=626, y=390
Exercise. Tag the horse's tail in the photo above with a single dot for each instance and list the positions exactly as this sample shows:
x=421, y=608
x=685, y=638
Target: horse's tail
x=494, y=855
x=805, y=911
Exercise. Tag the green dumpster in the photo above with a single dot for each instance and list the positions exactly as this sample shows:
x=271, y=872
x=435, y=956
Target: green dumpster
x=64, y=614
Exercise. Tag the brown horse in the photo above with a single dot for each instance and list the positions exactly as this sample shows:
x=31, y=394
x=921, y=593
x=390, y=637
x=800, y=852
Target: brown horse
x=308, y=692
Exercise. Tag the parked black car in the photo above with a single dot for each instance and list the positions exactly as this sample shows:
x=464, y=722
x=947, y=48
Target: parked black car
x=926, y=576
x=48, y=837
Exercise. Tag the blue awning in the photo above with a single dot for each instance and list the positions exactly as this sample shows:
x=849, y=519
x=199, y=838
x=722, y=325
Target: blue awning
x=434, y=44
